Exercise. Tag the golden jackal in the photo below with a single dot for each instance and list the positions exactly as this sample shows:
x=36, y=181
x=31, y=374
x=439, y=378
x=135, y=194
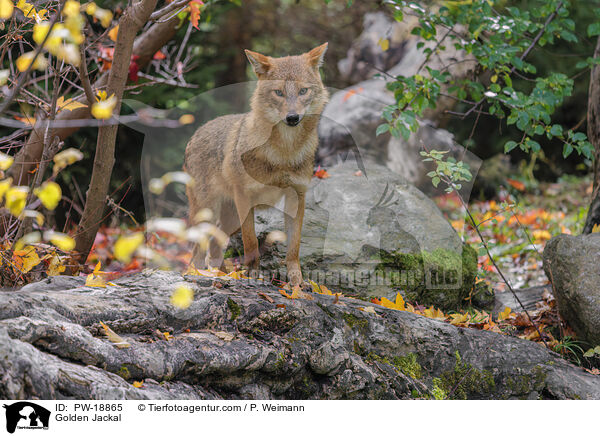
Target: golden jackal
x=242, y=161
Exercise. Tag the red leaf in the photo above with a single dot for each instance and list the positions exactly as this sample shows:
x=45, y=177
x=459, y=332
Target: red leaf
x=134, y=68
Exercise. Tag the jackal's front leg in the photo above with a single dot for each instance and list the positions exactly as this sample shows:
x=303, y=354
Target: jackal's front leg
x=294, y=230
x=246, y=216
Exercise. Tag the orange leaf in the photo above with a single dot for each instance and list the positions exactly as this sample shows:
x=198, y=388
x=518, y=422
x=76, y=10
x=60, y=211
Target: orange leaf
x=159, y=56
x=322, y=173
x=195, y=12
x=519, y=186
x=352, y=92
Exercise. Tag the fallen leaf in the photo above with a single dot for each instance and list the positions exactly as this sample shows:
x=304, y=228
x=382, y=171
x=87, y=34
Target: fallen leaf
x=321, y=173
x=368, y=309
x=114, y=338
x=26, y=259
x=519, y=186
x=505, y=314
x=138, y=384
x=227, y=337
x=266, y=297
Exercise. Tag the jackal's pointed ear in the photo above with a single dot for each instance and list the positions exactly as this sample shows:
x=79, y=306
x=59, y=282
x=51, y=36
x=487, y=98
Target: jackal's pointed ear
x=260, y=63
x=315, y=56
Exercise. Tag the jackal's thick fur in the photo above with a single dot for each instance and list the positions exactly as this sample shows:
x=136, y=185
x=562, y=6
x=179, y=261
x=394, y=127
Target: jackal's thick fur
x=243, y=161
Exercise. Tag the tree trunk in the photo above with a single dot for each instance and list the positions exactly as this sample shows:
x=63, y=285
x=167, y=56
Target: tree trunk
x=28, y=157
x=133, y=19
x=593, y=132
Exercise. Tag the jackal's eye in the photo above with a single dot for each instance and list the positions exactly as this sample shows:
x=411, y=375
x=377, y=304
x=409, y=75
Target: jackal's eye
x=303, y=91
x=278, y=93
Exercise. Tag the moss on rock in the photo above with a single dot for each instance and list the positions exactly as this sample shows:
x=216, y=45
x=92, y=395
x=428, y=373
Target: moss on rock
x=443, y=278
x=465, y=381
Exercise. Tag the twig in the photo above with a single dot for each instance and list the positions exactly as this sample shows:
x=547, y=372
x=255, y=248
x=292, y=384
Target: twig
x=168, y=9
x=84, y=76
x=37, y=52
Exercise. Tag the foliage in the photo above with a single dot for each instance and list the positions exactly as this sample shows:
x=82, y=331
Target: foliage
x=500, y=39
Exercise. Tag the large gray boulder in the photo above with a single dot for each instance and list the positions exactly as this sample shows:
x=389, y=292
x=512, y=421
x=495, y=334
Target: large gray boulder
x=373, y=234
x=350, y=119
x=571, y=264
x=244, y=340
x=365, y=58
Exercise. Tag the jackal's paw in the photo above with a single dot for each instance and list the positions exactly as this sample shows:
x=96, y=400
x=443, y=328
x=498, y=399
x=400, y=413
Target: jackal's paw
x=295, y=277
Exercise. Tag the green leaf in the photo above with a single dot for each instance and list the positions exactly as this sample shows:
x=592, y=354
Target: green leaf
x=594, y=29
x=510, y=145
x=589, y=353
x=382, y=128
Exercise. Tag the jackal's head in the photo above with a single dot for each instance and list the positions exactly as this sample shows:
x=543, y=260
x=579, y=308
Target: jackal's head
x=289, y=89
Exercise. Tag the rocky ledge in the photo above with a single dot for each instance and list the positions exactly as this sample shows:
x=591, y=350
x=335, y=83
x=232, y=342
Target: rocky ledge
x=244, y=340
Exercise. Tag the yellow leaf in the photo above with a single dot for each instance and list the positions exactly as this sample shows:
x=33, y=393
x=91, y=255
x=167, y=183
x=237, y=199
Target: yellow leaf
x=68, y=105
x=27, y=259
x=101, y=95
x=60, y=240
x=397, y=305
x=28, y=239
x=71, y=8
x=138, y=384
x=24, y=61
x=16, y=197
x=595, y=229
x=91, y=8
x=4, y=185
x=384, y=44
x=55, y=267
x=114, y=338
x=505, y=314
x=186, y=119
x=182, y=297
x=104, y=16
x=434, y=313
x=5, y=161
x=49, y=194
x=460, y=319
x=38, y=217
x=126, y=246
x=95, y=279
x=103, y=109
x=112, y=33
x=541, y=235
x=65, y=158
x=6, y=9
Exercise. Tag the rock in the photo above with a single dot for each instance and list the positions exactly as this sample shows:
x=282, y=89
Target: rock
x=372, y=235
x=491, y=176
x=571, y=264
x=51, y=347
x=366, y=56
x=529, y=297
x=350, y=119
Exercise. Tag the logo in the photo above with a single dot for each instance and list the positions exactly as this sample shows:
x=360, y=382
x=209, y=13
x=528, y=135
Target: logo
x=26, y=415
